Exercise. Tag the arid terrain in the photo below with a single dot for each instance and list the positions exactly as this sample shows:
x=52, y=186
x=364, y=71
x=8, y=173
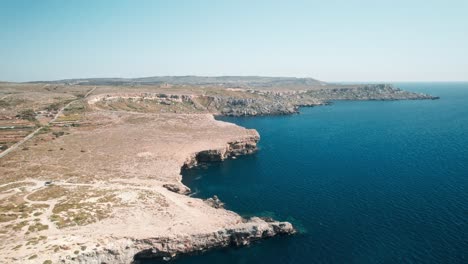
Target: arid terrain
x=91, y=169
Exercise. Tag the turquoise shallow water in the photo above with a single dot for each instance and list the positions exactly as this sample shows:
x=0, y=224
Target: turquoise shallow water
x=366, y=182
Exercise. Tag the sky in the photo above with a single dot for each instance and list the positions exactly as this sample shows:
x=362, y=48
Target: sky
x=368, y=40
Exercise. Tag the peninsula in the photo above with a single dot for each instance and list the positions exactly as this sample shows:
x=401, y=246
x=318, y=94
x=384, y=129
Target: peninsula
x=91, y=168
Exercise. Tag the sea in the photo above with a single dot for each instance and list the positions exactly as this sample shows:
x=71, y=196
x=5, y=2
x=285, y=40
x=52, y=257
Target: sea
x=362, y=181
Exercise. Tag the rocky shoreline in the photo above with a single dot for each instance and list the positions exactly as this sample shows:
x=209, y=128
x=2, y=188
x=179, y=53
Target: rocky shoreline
x=128, y=203
x=255, y=229
x=288, y=102
x=232, y=149
x=129, y=250
x=102, y=183
x=248, y=102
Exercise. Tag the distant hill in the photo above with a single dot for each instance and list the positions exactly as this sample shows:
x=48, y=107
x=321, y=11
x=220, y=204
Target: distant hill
x=227, y=81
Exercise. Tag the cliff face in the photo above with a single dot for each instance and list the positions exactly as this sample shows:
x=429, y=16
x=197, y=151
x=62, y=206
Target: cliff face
x=165, y=248
x=130, y=250
x=287, y=102
x=244, y=146
x=248, y=102
x=258, y=104
x=253, y=229
x=367, y=92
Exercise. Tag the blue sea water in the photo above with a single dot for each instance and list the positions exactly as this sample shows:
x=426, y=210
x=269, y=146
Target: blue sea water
x=365, y=182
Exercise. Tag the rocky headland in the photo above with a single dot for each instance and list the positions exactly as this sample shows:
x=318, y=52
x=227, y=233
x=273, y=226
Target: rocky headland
x=248, y=102
x=93, y=171
x=110, y=191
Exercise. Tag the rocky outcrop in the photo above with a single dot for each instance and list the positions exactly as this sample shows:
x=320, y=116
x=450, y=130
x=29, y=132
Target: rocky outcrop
x=367, y=92
x=129, y=250
x=256, y=104
x=177, y=188
x=234, y=148
x=161, y=98
x=248, y=102
x=273, y=102
x=253, y=230
x=215, y=202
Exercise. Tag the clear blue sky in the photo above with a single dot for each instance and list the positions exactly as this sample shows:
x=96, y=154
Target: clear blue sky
x=368, y=40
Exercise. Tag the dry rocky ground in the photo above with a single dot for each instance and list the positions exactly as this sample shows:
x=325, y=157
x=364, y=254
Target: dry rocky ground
x=99, y=181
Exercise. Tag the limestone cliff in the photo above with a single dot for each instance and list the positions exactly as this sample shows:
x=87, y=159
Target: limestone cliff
x=244, y=146
x=128, y=250
x=249, y=102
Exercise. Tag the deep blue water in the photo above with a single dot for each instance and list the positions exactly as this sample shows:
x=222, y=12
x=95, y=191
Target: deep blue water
x=366, y=182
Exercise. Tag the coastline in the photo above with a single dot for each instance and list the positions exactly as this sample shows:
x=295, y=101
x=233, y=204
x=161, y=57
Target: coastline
x=108, y=187
x=112, y=239
x=335, y=170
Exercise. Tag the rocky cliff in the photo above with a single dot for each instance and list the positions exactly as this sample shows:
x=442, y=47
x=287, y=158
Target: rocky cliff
x=111, y=191
x=131, y=250
x=251, y=102
x=244, y=146
x=128, y=250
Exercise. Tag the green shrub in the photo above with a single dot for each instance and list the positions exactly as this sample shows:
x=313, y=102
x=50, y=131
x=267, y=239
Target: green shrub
x=27, y=114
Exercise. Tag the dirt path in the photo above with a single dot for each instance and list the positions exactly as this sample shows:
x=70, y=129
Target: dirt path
x=19, y=143
x=46, y=216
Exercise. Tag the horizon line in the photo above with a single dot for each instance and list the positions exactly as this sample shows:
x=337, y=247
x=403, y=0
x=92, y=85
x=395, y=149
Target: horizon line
x=267, y=76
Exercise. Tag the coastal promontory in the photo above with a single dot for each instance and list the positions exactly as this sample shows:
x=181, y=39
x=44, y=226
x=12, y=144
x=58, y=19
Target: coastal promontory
x=91, y=168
